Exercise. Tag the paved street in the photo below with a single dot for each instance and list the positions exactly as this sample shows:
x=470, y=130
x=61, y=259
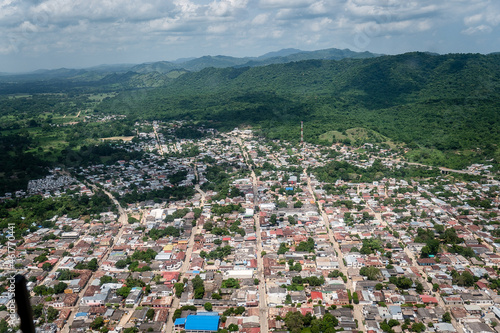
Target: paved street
x=175, y=304
x=123, y=220
x=358, y=308
x=263, y=310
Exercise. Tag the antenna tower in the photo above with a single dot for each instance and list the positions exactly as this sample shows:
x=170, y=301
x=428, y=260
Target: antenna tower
x=301, y=132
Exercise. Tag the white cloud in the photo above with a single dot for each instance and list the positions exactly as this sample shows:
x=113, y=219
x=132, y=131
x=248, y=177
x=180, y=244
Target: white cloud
x=227, y=7
x=277, y=33
x=285, y=3
x=217, y=29
x=486, y=18
x=493, y=15
x=27, y=28
x=319, y=8
x=188, y=27
x=260, y=19
x=473, y=20
x=8, y=48
x=322, y=24
x=481, y=29
x=286, y=14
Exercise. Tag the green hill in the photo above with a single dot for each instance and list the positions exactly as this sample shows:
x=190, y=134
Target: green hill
x=447, y=102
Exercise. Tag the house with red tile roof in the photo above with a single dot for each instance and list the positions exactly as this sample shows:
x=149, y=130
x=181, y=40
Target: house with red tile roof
x=316, y=295
x=426, y=299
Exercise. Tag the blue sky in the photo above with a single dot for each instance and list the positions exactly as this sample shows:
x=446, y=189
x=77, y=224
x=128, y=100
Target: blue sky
x=38, y=34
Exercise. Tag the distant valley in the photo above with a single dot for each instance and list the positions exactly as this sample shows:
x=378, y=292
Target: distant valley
x=441, y=110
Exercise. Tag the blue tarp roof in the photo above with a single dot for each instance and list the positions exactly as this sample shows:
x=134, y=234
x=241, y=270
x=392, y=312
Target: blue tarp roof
x=180, y=321
x=202, y=323
x=81, y=314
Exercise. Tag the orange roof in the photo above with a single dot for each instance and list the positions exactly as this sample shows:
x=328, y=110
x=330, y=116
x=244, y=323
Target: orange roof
x=316, y=295
x=428, y=299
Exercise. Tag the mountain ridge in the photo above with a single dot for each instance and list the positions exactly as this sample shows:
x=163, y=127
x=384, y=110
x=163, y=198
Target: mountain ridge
x=445, y=102
x=191, y=64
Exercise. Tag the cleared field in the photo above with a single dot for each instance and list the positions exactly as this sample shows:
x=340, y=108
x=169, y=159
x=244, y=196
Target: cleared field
x=100, y=97
x=356, y=134
x=118, y=138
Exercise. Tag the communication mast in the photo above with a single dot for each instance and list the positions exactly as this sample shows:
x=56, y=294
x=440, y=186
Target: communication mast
x=301, y=132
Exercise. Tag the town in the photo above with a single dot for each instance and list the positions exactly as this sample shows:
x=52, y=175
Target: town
x=229, y=231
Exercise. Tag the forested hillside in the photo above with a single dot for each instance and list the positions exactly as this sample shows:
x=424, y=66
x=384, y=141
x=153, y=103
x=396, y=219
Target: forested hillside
x=445, y=108
x=446, y=103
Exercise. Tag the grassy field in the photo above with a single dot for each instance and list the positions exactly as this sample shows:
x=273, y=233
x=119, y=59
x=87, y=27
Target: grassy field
x=19, y=96
x=64, y=120
x=118, y=138
x=356, y=134
x=100, y=97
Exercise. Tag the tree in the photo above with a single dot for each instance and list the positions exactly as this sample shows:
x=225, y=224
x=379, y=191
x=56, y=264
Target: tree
x=150, y=314
x=418, y=327
x=272, y=219
x=131, y=330
x=105, y=279
x=355, y=298
x=401, y=282
x=306, y=246
x=385, y=326
x=447, y=317
x=46, y=266
x=464, y=279
x=393, y=322
x=37, y=311
x=208, y=226
x=282, y=249
x=431, y=248
x=335, y=273
x=199, y=287
x=419, y=288
x=179, y=289
x=123, y=291
x=371, y=272
x=233, y=328
x=60, y=287
x=40, y=258
x=329, y=322
x=371, y=245
x=52, y=314
x=239, y=310
x=121, y=264
x=97, y=323
x=294, y=321
x=231, y=283
x=43, y=290
x=93, y=265
x=450, y=236
x=208, y=306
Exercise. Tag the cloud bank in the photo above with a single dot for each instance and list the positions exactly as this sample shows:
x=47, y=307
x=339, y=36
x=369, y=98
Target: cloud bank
x=77, y=33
